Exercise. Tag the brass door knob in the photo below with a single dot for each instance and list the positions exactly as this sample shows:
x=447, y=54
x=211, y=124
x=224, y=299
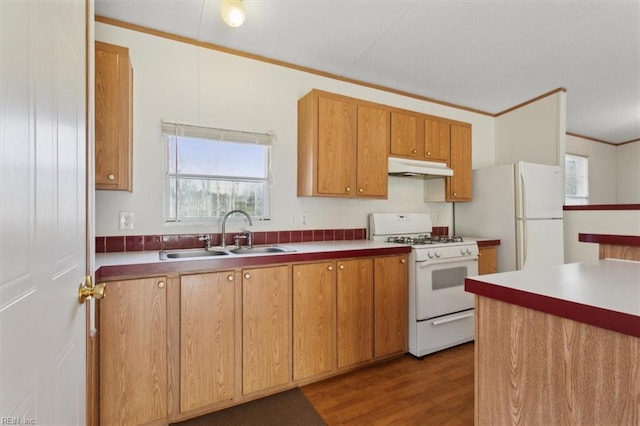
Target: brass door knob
x=413, y=151
x=341, y=267
x=361, y=190
x=247, y=275
x=111, y=176
x=230, y=277
x=87, y=290
x=330, y=268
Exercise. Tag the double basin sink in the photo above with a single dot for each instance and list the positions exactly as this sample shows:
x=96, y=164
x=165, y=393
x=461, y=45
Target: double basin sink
x=201, y=253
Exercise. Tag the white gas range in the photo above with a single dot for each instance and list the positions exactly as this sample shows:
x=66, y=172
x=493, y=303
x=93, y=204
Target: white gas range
x=441, y=313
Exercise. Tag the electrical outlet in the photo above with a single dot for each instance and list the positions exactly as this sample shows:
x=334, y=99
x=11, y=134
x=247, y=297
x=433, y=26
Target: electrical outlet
x=126, y=221
x=304, y=218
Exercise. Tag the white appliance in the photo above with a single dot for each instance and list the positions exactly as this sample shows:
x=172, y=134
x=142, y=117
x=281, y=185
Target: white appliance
x=441, y=313
x=521, y=204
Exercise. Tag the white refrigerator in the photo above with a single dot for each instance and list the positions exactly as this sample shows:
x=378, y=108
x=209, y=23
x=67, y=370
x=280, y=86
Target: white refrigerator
x=520, y=204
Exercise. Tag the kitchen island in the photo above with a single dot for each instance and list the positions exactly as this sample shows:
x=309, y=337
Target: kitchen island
x=558, y=345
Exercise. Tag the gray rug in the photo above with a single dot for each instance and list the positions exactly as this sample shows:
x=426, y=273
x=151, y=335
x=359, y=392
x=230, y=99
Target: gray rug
x=288, y=408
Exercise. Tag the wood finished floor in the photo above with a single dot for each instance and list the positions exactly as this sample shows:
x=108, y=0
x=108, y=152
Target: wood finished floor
x=437, y=390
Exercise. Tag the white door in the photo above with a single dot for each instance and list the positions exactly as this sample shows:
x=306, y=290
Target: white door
x=540, y=191
x=42, y=212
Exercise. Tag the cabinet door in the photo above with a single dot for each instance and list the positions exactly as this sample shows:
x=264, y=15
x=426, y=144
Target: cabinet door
x=336, y=147
x=314, y=295
x=354, y=311
x=372, y=152
x=133, y=352
x=488, y=260
x=404, y=135
x=391, y=304
x=436, y=139
x=113, y=121
x=458, y=186
x=207, y=339
x=265, y=328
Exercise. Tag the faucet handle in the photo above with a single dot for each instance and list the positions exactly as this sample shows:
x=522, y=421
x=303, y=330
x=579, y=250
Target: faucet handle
x=249, y=235
x=238, y=237
x=206, y=239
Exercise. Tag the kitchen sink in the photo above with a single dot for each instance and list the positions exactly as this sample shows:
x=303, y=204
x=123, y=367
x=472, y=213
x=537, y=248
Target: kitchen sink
x=261, y=250
x=188, y=253
x=201, y=253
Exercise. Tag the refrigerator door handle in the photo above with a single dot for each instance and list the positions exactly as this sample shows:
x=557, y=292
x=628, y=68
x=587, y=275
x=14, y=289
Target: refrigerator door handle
x=524, y=244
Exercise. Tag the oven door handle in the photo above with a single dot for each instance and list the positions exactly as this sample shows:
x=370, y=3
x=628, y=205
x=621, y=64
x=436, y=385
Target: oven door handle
x=451, y=318
x=427, y=263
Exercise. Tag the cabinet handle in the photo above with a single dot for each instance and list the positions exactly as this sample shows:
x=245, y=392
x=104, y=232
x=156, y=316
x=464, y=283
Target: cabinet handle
x=247, y=275
x=341, y=267
x=428, y=152
x=230, y=278
x=413, y=151
x=455, y=194
x=330, y=268
x=111, y=176
x=403, y=261
x=160, y=284
x=348, y=189
x=361, y=190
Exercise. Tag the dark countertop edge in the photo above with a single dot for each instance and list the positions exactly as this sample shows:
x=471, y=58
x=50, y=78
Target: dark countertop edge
x=114, y=272
x=603, y=207
x=619, y=240
x=598, y=317
x=488, y=243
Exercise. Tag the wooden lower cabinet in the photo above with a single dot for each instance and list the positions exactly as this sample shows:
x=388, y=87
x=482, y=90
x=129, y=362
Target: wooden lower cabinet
x=220, y=338
x=314, y=295
x=207, y=339
x=391, y=300
x=266, y=324
x=354, y=311
x=488, y=260
x=133, y=352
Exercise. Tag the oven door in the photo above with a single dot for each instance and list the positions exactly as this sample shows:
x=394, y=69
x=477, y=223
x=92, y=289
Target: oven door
x=440, y=286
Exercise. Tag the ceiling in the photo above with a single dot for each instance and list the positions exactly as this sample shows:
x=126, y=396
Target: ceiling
x=479, y=54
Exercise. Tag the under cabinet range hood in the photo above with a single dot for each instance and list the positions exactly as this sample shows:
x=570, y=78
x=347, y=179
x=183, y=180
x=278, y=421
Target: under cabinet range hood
x=417, y=168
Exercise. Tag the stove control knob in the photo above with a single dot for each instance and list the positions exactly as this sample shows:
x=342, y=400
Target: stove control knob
x=430, y=254
x=462, y=252
x=469, y=252
x=437, y=254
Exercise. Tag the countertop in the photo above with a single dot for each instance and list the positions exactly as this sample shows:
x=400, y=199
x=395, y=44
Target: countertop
x=603, y=293
x=624, y=240
x=137, y=264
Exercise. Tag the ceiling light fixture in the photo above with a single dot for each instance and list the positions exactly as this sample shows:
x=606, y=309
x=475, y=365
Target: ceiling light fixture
x=232, y=12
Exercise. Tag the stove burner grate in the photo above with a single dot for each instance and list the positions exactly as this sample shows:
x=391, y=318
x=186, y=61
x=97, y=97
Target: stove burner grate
x=425, y=239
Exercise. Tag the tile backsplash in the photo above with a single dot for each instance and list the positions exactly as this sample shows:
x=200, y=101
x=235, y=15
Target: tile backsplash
x=129, y=243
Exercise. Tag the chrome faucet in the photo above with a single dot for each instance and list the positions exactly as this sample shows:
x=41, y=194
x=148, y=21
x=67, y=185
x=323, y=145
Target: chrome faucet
x=224, y=223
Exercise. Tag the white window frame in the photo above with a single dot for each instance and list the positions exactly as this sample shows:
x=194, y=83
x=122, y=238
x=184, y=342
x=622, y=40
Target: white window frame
x=176, y=130
x=581, y=198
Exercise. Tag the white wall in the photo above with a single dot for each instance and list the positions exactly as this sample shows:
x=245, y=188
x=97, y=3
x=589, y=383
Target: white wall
x=615, y=222
x=181, y=82
x=602, y=168
x=628, y=177
x=534, y=132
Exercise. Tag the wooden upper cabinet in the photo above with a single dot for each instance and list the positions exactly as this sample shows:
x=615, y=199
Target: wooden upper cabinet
x=113, y=117
x=372, y=150
x=436, y=139
x=342, y=147
x=404, y=135
x=458, y=186
x=336, y=139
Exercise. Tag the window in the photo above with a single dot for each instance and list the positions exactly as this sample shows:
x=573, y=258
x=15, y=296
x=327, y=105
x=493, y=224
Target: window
x=576, y=182
x=212, y=171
